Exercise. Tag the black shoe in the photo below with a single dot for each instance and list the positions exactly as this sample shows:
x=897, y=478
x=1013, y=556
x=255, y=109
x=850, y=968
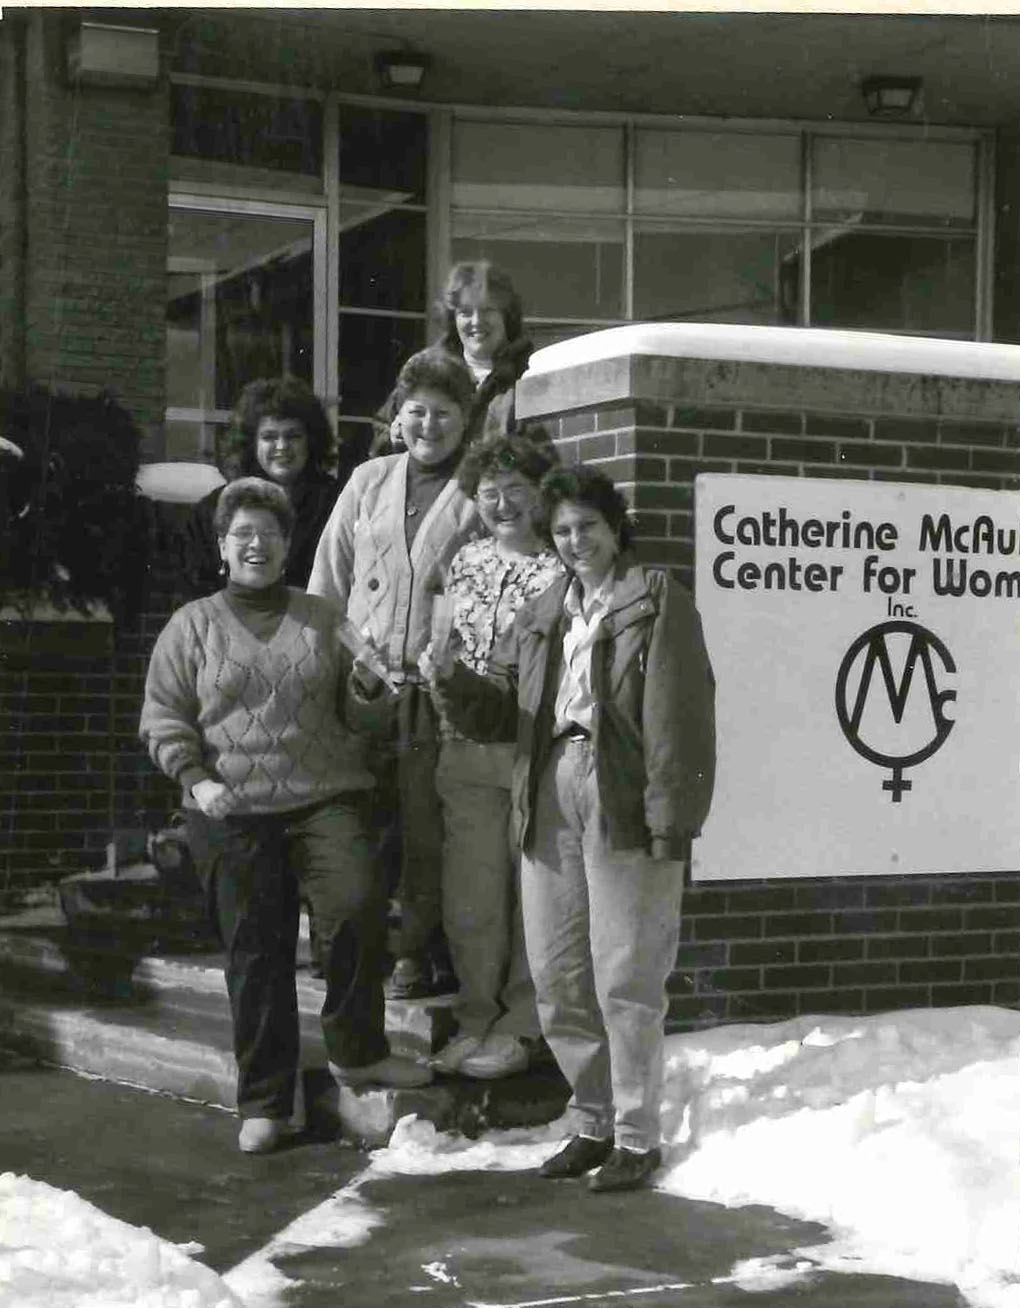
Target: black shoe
x=579, y=1155
x=411, y=979
x=625, y=1169
x=444, y=981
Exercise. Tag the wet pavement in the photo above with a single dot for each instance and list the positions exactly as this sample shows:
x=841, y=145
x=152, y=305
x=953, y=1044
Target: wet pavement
x=458, y=1239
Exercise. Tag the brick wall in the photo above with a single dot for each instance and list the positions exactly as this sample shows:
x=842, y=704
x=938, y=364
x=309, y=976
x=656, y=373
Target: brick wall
x=12, y=215
x=83, y=250
x=95, y=200
x=763, y=950
x=71, y=767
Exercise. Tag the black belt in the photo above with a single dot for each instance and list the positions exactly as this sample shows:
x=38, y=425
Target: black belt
x=574, y=732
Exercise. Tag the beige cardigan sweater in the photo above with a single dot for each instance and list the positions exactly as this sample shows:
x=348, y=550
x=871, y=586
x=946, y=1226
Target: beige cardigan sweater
x=362, y=563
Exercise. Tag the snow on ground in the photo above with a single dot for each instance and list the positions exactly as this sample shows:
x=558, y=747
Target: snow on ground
x=901, y=1133
x=57, y=1251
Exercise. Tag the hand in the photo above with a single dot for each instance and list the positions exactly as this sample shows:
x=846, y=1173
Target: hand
x=366, y=683
x=212, y=797
x=661, y=851
x=433, y=672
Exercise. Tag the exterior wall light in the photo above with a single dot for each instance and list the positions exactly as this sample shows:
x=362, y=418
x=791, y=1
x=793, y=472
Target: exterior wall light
x=101, y=54
x=401, y=70
x=893, y=97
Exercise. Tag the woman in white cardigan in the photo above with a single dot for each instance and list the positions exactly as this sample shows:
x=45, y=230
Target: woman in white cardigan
x=396, y=526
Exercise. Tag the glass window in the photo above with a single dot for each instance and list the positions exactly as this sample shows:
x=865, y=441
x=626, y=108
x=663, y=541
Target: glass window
x=382, y=257
x=707, y=275
x=923, y=183
x=240, y=127
x=562, y=268
x=916, y=284
x=239, y=306
x=717, y=174
x=384, y=150
x=551, y=167
x=372, y=351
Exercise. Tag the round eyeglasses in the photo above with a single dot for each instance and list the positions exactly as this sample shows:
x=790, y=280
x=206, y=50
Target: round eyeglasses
x=491, y=497
x=245, y=535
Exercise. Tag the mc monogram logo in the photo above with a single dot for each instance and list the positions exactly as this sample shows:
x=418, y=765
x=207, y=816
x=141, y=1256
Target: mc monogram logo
x=904, y=719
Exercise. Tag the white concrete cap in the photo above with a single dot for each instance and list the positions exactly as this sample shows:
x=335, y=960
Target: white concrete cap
x=806, y=347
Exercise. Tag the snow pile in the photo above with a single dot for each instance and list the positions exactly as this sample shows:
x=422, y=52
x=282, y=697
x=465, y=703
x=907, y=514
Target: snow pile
x=57, y=1251
x=899, y=1132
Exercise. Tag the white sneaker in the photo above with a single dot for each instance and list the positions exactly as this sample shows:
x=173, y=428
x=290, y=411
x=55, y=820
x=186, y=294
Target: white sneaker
x=260, y=1135
x=498, y=1055
x=453, y=1053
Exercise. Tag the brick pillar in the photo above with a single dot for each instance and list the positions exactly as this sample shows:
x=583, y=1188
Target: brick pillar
x=653, y=423
x=95, y=187
x=766, y=950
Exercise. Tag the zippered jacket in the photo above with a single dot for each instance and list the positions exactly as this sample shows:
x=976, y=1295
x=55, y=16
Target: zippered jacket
x=653, y=727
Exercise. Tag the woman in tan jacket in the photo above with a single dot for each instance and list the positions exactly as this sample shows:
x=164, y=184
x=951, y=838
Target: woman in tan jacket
x=605, y=684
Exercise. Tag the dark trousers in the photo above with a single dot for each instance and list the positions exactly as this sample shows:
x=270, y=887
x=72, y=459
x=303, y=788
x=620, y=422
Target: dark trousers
x=410, y=813
x=255, y=869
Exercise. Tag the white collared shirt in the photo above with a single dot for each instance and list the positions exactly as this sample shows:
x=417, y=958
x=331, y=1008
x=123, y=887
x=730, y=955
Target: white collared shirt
x=574, y=702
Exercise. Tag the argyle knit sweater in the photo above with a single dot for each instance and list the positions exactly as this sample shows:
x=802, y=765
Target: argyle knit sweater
x=260, y=716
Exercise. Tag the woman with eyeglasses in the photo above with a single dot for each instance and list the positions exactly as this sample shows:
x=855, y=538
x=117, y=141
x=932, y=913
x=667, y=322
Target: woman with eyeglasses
x=243, y=710
x=279, y=431
x=486, y=585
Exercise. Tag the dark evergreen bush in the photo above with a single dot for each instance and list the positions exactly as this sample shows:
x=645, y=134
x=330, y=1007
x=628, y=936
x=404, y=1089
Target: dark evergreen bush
x=73, y=528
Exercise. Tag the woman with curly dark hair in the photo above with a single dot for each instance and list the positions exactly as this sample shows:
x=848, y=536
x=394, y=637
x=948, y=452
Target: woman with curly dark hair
x=279, y=431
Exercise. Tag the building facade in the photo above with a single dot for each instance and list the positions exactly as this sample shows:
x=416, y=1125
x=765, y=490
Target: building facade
x=190, y=199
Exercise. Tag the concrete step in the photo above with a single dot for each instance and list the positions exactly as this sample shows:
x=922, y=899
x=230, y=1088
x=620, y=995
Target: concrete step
x=186, y=982
x=161, y=1022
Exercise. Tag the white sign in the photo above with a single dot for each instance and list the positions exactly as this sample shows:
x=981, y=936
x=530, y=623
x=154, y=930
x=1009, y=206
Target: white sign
x=865, y=638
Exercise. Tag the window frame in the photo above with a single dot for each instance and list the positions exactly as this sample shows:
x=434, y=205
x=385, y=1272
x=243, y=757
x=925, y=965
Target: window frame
x=324, y=380
x=442, y=118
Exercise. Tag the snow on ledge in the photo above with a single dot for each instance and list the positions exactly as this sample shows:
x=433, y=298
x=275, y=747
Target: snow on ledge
x=177, y=483
x=805, y=347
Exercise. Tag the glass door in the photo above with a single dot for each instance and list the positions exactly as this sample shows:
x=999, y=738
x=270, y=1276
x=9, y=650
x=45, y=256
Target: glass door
x=246, y=298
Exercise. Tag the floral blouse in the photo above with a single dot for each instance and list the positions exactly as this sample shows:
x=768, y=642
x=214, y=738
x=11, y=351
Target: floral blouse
x=488, y=591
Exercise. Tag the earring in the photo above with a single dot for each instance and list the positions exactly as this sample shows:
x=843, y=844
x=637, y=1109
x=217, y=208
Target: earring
x=223, y=568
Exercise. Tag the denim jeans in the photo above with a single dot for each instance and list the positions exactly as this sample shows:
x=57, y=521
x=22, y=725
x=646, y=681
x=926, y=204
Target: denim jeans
x=601, y=928
x=255, y=869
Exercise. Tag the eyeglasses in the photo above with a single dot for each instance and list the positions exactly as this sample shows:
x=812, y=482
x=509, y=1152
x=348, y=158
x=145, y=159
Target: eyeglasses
x=512, y=494
x=245, y=535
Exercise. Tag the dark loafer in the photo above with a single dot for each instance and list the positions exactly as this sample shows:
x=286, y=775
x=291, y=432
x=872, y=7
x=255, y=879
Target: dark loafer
x=579, y=1155
x=411, y=979
x=625, y=1169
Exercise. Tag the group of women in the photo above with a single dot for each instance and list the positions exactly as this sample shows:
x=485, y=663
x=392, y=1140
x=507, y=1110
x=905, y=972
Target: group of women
x=533, y=706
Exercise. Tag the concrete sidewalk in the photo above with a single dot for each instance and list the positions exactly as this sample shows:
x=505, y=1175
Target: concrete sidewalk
x=456, y=1240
